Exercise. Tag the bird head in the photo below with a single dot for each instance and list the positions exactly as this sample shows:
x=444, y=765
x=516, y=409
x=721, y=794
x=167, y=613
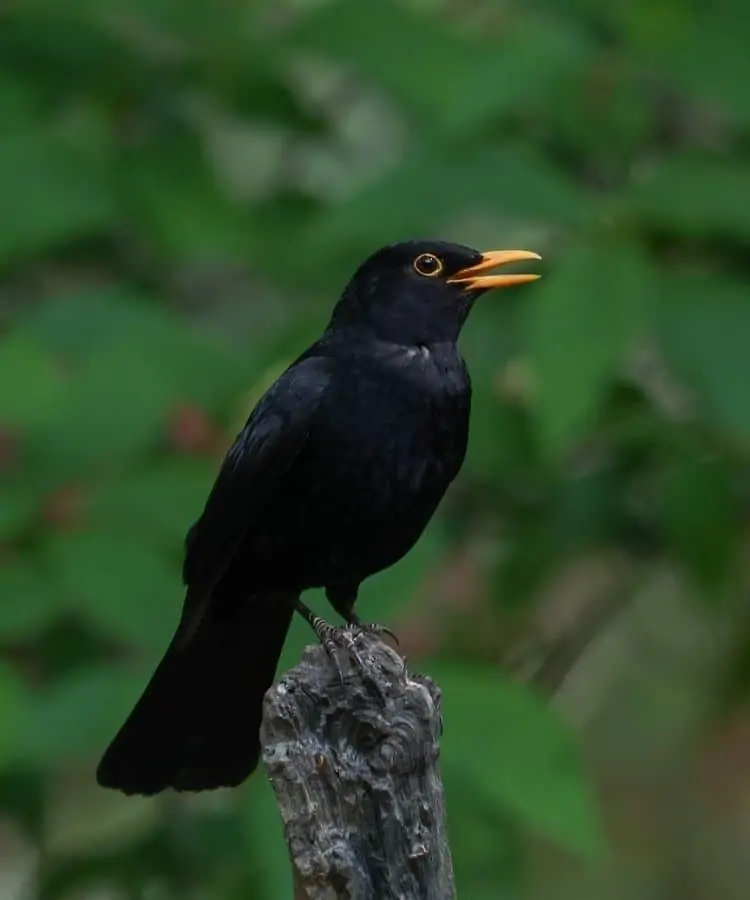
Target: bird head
x=420, y=292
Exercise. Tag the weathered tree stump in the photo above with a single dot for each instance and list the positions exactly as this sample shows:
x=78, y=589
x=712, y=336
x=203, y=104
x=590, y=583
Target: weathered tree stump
x=354, y=766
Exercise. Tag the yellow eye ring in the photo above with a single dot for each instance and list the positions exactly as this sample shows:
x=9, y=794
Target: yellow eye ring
x=428, y=265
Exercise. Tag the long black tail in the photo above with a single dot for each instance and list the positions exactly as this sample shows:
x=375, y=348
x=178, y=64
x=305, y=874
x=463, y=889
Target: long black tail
x=196, y=726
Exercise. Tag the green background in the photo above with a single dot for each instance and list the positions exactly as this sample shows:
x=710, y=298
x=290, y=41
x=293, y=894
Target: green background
x=184, y=189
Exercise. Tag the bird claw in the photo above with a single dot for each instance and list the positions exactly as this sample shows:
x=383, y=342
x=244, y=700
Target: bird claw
x=329, y=645
x=335, y=638
x=376, y=628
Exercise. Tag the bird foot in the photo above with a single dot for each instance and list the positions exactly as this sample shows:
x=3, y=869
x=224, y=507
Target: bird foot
x=335, y=638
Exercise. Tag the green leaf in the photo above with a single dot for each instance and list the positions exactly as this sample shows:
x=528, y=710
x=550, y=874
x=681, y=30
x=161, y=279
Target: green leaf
x=500, y=439
x=19, y=101
x=122, y=587
x=535, y=548
x=208, y=371
x=181, y=205
x=31, y=387
x=13, y=708
x=486, y=844
x=449, y=80
x=23, y=798
x=582, y=322
x=520, y=753
x=501, y=443
x=29, y=601
x=703, y=324
x=701, y=520
x=428, y=190
x=167, y=498
x=18, y=509
x=51, y=195
x=117, y=320
x=58, y=49
x=118, y=407
x=75, y=324
x=260, y=87
x=75, y=718
x=702, y=49
x=695, y=196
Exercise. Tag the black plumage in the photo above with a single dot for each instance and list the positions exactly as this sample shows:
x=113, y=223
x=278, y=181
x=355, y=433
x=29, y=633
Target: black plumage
x=334, y=477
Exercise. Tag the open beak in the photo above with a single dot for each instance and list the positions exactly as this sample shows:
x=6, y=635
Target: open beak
x=473, y=280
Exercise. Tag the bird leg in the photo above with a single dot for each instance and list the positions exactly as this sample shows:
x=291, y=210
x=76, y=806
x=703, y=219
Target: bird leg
x=343, y=603
x=332, y=637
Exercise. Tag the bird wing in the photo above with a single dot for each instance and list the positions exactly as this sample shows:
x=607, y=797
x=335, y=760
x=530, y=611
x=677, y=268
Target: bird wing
x=261, y=454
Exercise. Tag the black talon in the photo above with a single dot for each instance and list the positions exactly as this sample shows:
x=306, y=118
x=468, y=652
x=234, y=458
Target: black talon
x=372, y=627
x=350, y=640
x=375, y=628
x=333, y=637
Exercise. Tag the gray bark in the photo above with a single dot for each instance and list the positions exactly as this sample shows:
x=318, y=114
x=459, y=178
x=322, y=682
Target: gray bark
x=354, y=766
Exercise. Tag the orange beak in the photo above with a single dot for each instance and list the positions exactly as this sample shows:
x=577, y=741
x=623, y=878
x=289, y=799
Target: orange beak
x=473, y=280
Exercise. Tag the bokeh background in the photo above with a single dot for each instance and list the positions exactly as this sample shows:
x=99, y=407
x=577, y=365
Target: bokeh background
x=184, y=189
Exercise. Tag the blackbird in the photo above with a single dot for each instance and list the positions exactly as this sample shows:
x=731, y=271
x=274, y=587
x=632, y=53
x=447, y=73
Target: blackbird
x=334, y=477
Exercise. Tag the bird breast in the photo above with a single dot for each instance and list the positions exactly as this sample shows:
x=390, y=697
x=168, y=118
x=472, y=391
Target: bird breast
x=385, y=444
x=398, y=429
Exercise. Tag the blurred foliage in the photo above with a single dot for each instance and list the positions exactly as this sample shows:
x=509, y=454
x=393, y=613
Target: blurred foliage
x=184, y=189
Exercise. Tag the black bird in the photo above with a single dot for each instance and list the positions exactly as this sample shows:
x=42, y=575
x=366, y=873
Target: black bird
x=334, y=477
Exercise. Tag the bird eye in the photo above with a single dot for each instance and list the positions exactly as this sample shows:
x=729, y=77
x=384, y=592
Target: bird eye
x=428, y=264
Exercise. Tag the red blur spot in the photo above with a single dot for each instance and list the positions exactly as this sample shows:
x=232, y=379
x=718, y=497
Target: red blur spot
x=192, y=432
x=63, y=509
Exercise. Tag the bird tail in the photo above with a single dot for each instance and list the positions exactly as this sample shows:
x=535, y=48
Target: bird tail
x=196, y=726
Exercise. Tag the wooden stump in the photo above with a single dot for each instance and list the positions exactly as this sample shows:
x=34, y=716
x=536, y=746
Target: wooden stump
x=354, y=766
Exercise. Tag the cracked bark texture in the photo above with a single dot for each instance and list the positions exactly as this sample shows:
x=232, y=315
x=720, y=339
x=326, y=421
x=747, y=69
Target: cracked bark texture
x=354, y=766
